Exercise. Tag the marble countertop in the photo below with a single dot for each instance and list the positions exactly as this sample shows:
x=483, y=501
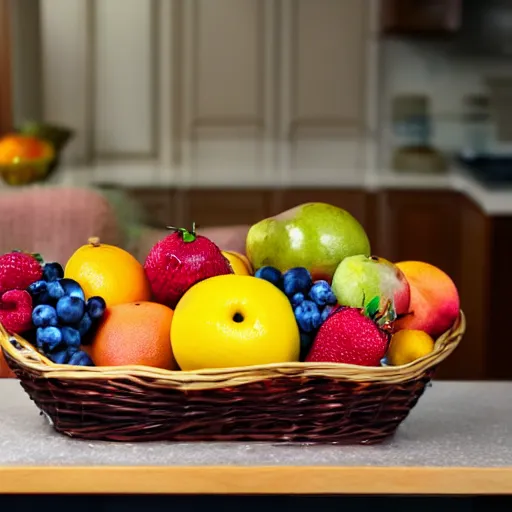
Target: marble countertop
x=454, y=424
x=457, y=440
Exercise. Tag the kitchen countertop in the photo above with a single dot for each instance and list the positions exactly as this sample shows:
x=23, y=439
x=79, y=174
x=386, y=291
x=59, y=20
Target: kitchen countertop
x=458, y=440
x=491, y=201
x=141, y=175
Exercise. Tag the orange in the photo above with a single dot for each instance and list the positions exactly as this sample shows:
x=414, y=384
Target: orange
x=239, y=263
x=232, y=321
x=408, y=345
x=16, y=148
x=108, y=271
x=134, y=334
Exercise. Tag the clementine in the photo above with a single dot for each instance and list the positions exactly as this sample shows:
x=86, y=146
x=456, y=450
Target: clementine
x=134, y=334
x=108, y=271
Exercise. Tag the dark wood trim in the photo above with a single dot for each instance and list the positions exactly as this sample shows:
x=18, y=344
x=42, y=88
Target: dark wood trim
x=5, y=69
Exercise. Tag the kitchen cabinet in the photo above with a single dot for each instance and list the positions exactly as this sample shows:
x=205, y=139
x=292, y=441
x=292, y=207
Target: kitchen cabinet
x=226, y=207
x=225, y=93
x=420, y=225
x=420, y=16
x=445, y=229
x=159, y=205
x=322, y=116
x=497, y=294
x=275, y=93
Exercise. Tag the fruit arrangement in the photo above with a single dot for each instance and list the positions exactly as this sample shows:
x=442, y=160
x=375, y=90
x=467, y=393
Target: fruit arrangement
x=308, y=290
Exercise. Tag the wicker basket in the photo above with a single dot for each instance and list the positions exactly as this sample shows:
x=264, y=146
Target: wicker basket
x=296, y=402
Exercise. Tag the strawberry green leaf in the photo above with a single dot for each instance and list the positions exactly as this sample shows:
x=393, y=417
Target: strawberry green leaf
x=38, y=258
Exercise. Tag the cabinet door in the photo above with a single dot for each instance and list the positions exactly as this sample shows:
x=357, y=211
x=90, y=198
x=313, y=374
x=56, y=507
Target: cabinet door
x=159, y=205
x=225, y=207
x=470, y=359
x=421, y=16
x=420, y=225
x=227, y=94
x=322, y=115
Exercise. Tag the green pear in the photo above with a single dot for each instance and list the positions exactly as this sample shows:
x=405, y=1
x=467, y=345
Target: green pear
x=317, y=236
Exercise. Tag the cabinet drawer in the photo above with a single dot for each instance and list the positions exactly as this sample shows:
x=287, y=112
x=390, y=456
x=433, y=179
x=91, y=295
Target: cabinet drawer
x=223, y=207
x=160, y=205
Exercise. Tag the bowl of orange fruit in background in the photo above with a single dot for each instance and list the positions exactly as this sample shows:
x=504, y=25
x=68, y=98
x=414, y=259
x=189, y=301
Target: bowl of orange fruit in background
x=24, y=159
x=32, y=152
x=307, y=329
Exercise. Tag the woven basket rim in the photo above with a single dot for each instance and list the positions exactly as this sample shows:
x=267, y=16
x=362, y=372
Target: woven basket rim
x=31, y=360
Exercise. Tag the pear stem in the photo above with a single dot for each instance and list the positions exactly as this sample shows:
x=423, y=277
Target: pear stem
x=94, y=241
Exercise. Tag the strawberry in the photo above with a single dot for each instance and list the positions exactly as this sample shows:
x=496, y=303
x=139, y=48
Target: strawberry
x=18, y=270
x=180, y=260
x=349, y=336
x=16, y=311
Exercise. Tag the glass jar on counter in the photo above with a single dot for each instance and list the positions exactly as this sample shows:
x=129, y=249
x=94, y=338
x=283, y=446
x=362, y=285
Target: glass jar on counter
x=477, y=127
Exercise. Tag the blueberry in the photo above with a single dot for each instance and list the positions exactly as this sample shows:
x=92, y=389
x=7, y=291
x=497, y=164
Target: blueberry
x=39, y=292
x=70, y=310
x=296, y=280
x=326, y=312
x=96, y=307
x=270, y=274
x=71, y=337
x=52, y=272
x=297, y=299
x=44, y=316
x=37, y=288
x=84, y=325
x=55, y=290
x=321, y=294
x=61, y=357
x=308, y=317
x=48, y=338
x=80, y=359
x=72, y=288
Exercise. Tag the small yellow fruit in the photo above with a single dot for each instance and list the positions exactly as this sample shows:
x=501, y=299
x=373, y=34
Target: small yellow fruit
x=408, y=345
x=239, y=263
x=108, y=271
x=231, y=321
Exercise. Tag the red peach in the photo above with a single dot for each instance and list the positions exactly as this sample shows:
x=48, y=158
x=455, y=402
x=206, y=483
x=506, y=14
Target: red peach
x=435, y=304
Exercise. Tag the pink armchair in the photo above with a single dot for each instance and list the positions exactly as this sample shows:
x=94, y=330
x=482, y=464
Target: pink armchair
x=54, y=221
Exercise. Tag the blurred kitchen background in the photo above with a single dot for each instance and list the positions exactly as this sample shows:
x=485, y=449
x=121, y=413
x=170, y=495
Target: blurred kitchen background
x=228, y=111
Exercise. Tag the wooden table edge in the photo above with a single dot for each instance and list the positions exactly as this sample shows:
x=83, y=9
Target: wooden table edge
x=380, y=480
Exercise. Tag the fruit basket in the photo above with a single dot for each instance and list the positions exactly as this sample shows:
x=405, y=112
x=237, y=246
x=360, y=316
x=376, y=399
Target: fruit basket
x=319, y=344
x=293, y=402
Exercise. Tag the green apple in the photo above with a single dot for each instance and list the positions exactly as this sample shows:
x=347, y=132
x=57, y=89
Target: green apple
x=359, y=279
x=316, y=236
